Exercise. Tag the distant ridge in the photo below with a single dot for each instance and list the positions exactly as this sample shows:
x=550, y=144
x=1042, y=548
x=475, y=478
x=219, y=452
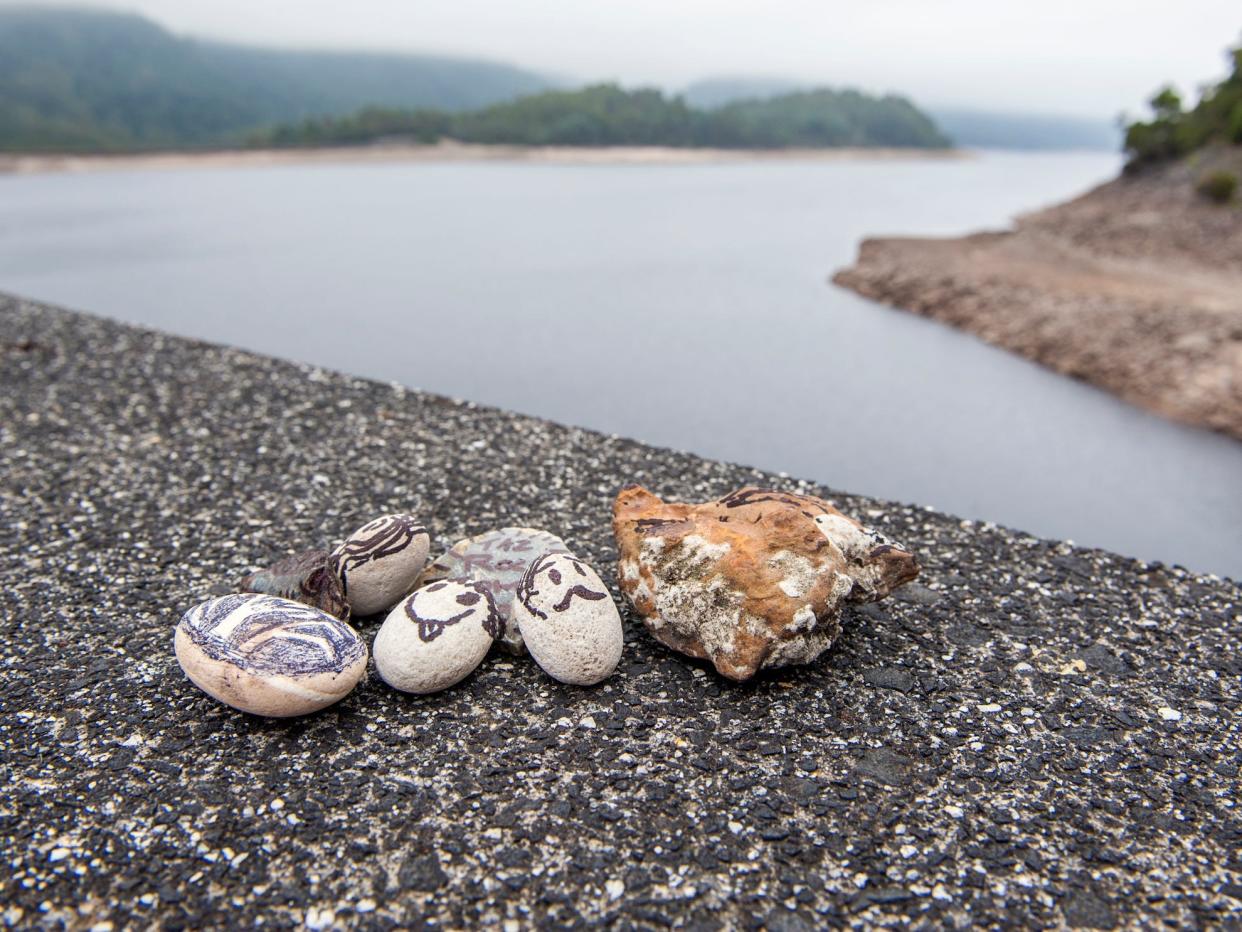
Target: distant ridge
x=79, y=79
x=968, y=127
x=983, y=129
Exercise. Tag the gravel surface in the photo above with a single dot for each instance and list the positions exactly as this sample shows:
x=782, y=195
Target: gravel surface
x=1030, y=735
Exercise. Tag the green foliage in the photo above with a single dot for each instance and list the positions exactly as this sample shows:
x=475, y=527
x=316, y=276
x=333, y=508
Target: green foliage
x=607, y=115
x=82, y=79
x=602, y=115
x=1218, y=187
x=820, y=118
x=1167, y=103
x=374, y=124
x=1235, y=123
x=1173, y=131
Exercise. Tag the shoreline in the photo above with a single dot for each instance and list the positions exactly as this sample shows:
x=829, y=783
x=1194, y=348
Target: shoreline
x=399, y=153
x=1134, y=287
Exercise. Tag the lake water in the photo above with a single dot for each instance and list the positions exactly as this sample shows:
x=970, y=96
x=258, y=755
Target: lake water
x=684, y=305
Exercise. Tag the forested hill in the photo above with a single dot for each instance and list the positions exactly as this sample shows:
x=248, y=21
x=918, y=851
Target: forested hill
x=608, y=115
x=83, y=79
x=77, y=79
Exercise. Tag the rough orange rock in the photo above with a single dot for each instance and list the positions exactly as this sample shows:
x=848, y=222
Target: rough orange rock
x=757, y=579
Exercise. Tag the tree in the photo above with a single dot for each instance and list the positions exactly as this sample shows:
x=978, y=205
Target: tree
x=1174, y=131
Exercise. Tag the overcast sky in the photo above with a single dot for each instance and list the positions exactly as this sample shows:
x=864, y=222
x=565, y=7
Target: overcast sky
x=1091, y=57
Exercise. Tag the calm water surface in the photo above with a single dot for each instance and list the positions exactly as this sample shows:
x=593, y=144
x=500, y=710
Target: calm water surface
x=687, y=306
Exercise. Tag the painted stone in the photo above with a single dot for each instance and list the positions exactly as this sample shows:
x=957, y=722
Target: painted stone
x=498, y=560
x=437, y=636
x=757, y=579
x=380, y=562
x=569, y=621
x=308, y=577
x=267, y=655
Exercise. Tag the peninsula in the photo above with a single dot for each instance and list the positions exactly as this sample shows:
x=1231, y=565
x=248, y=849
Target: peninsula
x=1135, y=287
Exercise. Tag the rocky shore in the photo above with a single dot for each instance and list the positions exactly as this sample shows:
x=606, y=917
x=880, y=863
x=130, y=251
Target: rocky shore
x=1135, y=287
x=1031, y=735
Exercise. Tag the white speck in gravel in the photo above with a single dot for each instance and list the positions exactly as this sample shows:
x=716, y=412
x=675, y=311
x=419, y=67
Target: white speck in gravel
x=319, y=918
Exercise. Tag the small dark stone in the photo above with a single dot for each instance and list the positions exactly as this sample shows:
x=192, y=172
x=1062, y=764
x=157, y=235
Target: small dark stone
x=782, y=920
x=1087, y=738
x=889, y=678
x=886, y=766
x=917, y=594
x=1099, y=657
x=889, y=895
x=422, y=873
x=1083, y=910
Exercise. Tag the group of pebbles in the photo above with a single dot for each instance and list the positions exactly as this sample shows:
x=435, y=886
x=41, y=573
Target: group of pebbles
x=755, y=580
x=284, y=646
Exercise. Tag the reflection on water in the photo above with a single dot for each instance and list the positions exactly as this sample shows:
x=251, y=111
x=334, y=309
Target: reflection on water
x=687, y=306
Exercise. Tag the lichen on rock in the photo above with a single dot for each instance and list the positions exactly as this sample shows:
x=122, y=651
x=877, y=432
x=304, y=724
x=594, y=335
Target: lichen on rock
x=757, y=579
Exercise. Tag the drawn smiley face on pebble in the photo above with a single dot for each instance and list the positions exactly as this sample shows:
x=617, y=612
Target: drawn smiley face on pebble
x=554, y=581
x=428, y=606
x=437, y=636
x=571, y=625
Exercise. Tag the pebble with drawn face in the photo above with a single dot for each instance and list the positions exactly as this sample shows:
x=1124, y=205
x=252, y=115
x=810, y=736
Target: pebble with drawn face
x=497, y=559
x=267, y=655
x=569, y=622
x=437, y=636
x=381, y=561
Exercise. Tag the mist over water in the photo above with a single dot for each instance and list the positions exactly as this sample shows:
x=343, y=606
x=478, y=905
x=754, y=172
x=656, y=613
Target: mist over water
x=684, y=305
